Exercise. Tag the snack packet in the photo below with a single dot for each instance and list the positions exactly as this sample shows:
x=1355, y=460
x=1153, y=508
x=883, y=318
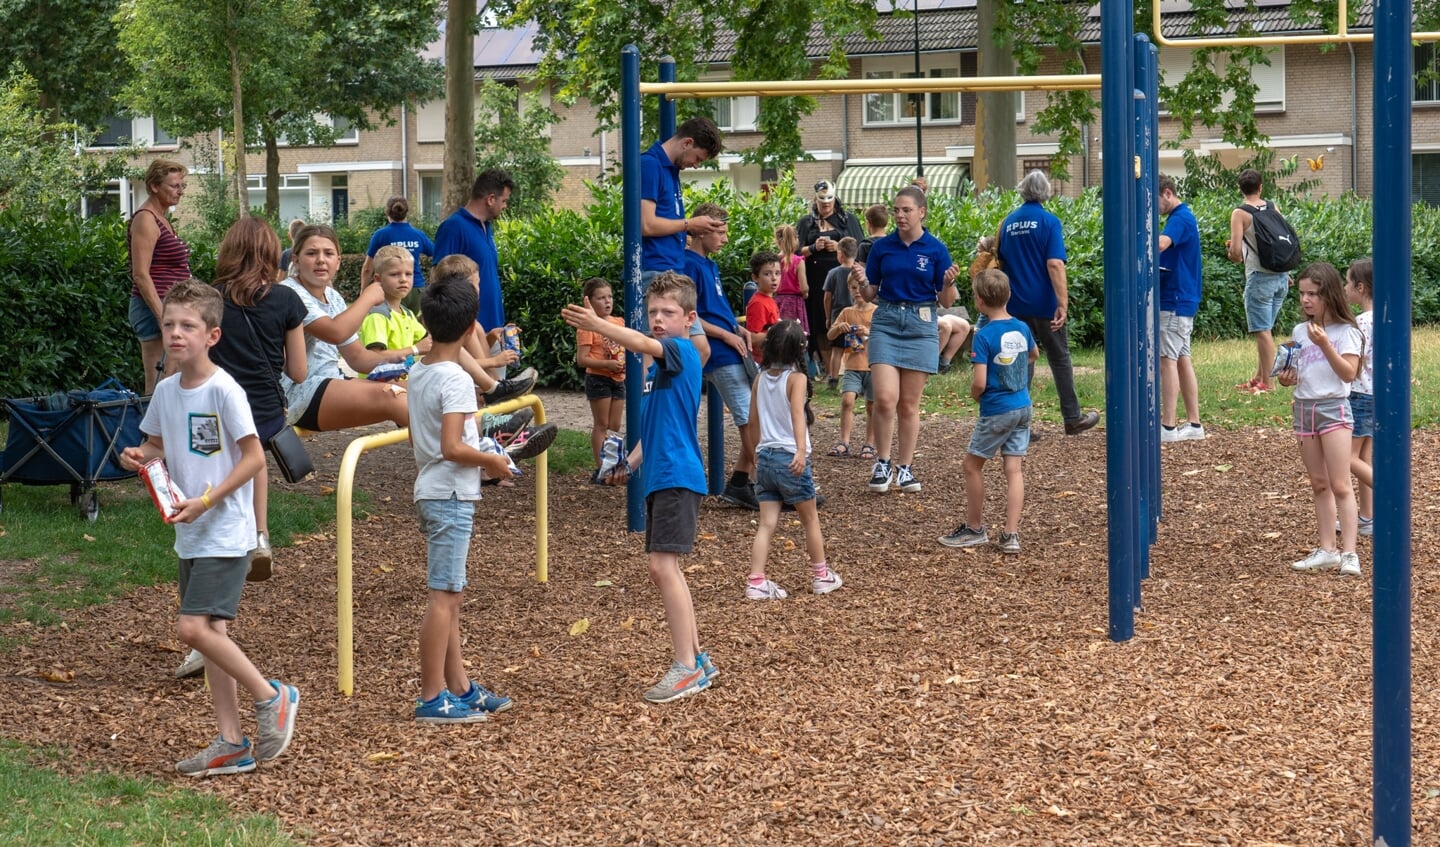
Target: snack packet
x=1285, y=357
x=163, y=490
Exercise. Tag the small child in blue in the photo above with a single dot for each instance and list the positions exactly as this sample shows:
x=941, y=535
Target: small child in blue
x=1001, y=355
x=781, y=403
x=446, y=442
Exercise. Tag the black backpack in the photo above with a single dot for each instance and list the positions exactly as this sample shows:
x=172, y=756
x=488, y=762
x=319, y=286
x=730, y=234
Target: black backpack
x=1277, y=246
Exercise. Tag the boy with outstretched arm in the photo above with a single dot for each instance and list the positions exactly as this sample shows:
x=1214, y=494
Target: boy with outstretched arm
x=446, y=442
x=1001, y=356
x=673, y=480
x=203, y=417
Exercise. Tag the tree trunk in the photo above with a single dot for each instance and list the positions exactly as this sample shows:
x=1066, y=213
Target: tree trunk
x=994, y=163
x=272, y=174
x=242, y=181
x=459, y=170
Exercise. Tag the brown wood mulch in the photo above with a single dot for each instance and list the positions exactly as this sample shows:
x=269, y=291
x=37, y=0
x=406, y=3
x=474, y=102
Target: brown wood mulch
x=940, y=697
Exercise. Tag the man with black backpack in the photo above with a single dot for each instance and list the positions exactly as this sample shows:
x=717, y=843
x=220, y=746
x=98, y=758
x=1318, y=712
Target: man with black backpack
x=1267, y=244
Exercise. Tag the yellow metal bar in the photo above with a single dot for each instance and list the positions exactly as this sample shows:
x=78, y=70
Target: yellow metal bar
x=345, y=531
x=1342, y=36
x=736, y=88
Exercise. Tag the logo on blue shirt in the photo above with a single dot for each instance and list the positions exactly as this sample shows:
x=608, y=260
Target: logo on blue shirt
x=922, y=263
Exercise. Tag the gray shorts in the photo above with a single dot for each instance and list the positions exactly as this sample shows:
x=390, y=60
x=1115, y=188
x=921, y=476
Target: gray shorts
x=671, y=517
x=857, y=382
x=211, y=586
x=1317, y=417
x=1175, y=335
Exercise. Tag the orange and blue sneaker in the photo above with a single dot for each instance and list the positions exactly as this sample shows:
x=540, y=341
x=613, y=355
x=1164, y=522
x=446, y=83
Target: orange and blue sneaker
x=678, y=682
x=481, y=699
x=276, y=721
x=703, y=660
x=220, y=758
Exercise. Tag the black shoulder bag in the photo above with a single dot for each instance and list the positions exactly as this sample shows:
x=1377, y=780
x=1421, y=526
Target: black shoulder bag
x=287, y=448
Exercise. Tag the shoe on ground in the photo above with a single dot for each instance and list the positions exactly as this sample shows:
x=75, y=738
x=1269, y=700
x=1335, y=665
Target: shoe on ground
x=481, y=699
x=905, y=478
x=703, y=660
x=507, y=424
x=1318, y=560
x=740, y=495
x=532, y=441
x=1349, y=564
x=220, y=758
x=1363, y=526
x=513, y=386
x=193, y=665
x=1009, y=543
x=766, y=590
x=678, y=682
x=275, y=721
x=1082, y=423
x=445, y=708
x=260, y=560
x=819, y=503
x=1191, y=432
x=827, y=583
x=964, y=536
x=880, y=476
x=1169, y=434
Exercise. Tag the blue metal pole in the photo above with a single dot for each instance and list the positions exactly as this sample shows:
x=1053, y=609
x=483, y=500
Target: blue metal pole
x=1143, y=245
x=1117, y=174
x=1151, y=84
x=1394, y=75
x=1148, y=444
x=667, y=106
x=634, y=309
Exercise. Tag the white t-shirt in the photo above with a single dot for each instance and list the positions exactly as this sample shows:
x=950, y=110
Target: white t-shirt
x=771, y=402
x=435, y=390
x=1318, y=381
x=1365, y=382
x=322, y=359
x=201, y=428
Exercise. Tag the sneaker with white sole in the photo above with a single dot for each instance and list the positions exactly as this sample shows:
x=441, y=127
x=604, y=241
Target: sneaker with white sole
x=275, y=721
x=220, y=758
x=1318, y=560
x=827, y=583
x=446, y=708
x=495, y=426
x=1363, y=526
x=678, y=682
x=766, y=590
x=532, y=441
x=1191, y=432
x=1169, y=435
x=481, y=699
x=1009, y=543
x=1349, y=564
x=905, y=478
x=964, y=536
x=193, y=665
x=880, y=476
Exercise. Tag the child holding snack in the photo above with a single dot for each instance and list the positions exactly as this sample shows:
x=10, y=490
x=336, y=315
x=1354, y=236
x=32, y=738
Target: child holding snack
x=853, y=324
x=604, y=364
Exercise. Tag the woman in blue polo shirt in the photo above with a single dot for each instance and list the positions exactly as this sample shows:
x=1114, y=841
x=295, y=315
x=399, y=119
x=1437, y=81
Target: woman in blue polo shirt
x=910, y=276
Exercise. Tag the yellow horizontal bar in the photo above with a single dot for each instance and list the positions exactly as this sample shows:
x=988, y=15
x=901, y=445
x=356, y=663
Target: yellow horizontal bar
x=928, y=85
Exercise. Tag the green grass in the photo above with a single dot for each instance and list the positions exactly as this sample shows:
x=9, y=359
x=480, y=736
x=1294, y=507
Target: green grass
x=43, y=807
x=570, y=453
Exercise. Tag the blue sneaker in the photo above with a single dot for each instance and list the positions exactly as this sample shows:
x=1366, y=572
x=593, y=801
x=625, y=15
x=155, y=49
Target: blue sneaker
x=444, y=708
x=483, y=700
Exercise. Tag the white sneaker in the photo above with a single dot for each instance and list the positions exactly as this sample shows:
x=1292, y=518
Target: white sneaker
x=1169, y=435
x=194, y=664
x=1190, y=432
x=1363, y=526
x=1349, y=564
x=766, y=590
x=827, y=583
x=1318, y=560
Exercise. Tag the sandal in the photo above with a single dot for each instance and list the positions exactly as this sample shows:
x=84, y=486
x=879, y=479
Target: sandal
x=867, y=452
x=840, y=451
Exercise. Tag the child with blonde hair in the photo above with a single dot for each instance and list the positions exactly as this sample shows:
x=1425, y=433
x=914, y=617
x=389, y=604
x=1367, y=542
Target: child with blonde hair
x=853, y=324
x=790, y=296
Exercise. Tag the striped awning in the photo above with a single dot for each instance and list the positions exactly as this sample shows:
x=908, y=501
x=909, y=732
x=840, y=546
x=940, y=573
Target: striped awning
x=861, y=185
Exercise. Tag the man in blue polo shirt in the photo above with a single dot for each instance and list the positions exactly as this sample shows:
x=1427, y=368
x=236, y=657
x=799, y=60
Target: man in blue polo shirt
x=471, y=232
x=1032, y=252
x=1180, y=285
x=663, y=225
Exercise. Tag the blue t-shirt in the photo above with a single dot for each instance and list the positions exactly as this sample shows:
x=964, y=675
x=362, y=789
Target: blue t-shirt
x=466, y=234
x=668, y=411
x=1180, y=264
x=1003, y=347
x=711, y=305
x=908, y=273
x=660, y=182
x=402, y=234
x=1029, y=238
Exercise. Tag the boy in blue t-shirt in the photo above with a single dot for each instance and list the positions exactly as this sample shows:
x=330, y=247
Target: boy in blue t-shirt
x=673, y=482
x=1001, y=355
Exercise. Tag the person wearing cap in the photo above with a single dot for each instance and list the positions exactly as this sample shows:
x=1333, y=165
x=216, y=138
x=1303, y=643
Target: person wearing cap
x=663, y=225
x=820, y=233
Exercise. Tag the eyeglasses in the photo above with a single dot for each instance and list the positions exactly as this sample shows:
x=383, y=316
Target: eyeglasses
x=177, y=186
x=904, y=210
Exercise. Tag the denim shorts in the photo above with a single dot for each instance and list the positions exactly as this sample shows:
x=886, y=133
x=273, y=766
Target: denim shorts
x=1175, y=335
x=1008, y=432
x=211, y=586
x=1264, y=295
x=905, y=335
x=446, y=525
x=671, y=518
x=1362, y=406
x=603, y=388
x=142, y=320
x=857, y=382
x=775, y=483
x=734, y=386
x=1317, y=417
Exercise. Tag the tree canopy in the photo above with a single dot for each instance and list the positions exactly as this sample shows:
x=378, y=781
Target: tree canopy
x=69, y=49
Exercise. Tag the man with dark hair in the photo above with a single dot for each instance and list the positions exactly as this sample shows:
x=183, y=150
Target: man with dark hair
x=1264, y=289
x=663, y=225
x=1179, y=301
x=470, y=231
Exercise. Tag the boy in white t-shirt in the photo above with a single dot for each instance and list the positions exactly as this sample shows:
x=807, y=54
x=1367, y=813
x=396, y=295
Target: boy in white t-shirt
x=446, y=442
x=203, y=416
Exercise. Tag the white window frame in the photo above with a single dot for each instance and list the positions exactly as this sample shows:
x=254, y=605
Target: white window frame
x=903, y=67
x=351, y=136
x=747, y=108
x=142, y=129
x=1269, y=79
x=1425, y=57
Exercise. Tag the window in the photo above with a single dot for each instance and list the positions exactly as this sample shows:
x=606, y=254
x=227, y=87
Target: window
x=1175, y=64
x=1427, y=77
x=430, y=122
x=934, y=107
x=345, y=132
x=113, y=132
x=1425, y=178
x=103, y=201
x=430, y=194
x=736, y=114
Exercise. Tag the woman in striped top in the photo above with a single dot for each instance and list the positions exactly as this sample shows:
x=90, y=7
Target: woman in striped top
x=158, y=260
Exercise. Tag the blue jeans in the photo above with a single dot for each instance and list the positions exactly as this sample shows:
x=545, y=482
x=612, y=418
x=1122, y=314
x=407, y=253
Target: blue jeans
x=774, y=481
x=447, y=525
x=1264, y=295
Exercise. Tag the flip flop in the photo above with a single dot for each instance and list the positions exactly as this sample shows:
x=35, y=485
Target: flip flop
x=840, y=451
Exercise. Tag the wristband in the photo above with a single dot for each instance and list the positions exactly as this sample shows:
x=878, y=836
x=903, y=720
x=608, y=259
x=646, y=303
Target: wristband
x=205, y=498
x=414, y=350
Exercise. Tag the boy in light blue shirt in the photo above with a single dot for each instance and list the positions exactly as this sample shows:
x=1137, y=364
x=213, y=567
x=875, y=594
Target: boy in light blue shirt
x=1001, y=355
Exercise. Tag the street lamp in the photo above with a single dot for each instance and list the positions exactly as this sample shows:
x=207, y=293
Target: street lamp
x=918, y=101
